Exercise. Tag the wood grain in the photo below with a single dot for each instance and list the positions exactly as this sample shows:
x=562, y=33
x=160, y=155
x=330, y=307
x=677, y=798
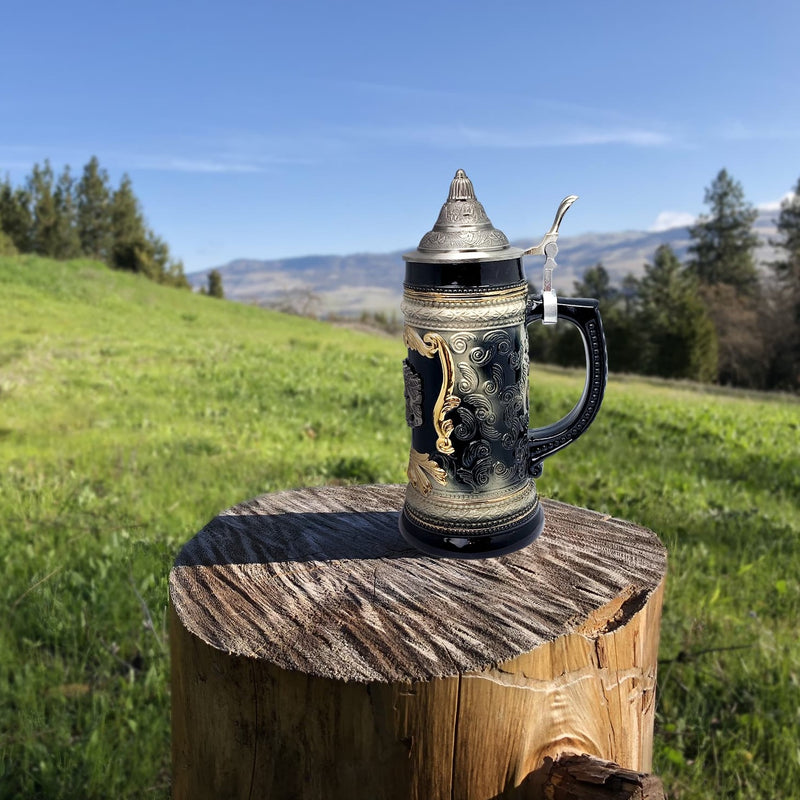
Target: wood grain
x=315, y=655
x=319, y=581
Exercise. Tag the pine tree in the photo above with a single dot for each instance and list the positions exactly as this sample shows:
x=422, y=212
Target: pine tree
x=16, y=220
x=596, y=283
x=784, y=333
x=722, y=250
x=170, y=271
x=176, y=275
x=618, y=321
x=93, y=201
x=44, y=238
x=159, y=252
x=630, y=293
x=64, y=219
x=130, y=248
x=67, y=241
x=787, y=269
x=7, y=247
x=676, y=334
x=215, y=284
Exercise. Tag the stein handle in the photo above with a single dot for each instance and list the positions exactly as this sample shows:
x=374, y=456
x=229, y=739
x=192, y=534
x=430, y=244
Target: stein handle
x=584, y=313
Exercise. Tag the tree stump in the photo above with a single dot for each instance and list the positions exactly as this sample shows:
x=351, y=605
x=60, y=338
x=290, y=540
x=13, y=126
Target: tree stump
x=316, y=655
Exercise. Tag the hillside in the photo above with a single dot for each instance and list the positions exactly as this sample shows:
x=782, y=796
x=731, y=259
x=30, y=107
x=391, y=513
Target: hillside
x=131, y=413
x=374, y=281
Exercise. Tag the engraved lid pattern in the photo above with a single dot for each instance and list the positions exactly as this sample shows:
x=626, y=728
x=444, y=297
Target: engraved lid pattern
x=463, y=230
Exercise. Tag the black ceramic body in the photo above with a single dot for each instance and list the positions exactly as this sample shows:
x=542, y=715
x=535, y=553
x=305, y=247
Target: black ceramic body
x=473, y=459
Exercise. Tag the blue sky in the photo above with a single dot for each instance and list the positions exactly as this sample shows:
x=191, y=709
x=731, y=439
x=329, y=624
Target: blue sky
x=274, y=129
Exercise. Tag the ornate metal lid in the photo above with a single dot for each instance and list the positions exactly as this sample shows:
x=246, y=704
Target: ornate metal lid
x=463, y=231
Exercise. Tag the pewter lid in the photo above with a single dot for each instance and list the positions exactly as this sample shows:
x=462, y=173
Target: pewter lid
x=463, y=231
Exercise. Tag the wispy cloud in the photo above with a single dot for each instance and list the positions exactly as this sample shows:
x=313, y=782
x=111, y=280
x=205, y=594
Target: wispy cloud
x=173, y=157
x=230, y=153
x=523, y=103
x=774, y=205
x=166, y=163
x=251, y=154
x=505, y=139
x=667, y=220
x=638, y=137
x=248, y=152
x=681, y=219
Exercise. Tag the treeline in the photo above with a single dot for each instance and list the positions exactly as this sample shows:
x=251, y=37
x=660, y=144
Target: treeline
x=63, y=217
x=713, y=318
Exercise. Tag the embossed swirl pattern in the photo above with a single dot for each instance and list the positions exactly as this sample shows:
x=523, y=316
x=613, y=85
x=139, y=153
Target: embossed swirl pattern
x=491, y=381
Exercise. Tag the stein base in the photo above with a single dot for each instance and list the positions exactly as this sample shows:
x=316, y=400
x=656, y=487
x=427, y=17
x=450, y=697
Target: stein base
x=486, y=545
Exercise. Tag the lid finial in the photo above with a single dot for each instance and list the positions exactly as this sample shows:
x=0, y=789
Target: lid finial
x=461, y=187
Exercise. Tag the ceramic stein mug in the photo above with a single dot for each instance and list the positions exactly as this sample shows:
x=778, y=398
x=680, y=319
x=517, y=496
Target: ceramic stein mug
x=466, y=310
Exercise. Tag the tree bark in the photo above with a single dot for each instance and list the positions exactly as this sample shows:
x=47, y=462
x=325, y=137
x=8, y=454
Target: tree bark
x=316, y=655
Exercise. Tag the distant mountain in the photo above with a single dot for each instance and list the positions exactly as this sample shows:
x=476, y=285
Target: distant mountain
x=354, y=283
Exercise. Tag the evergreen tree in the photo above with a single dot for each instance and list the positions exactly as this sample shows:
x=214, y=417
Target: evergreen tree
x=176, y=276
x=787, y=269
x=630, y=293
x=44, y=237
x=64, y=219
x=7, y=247
x=159, y=252
x=596, y=283
x=130, y=248
x=723, y=242
x=134, y=247
x=784, y=333
x=215, y=284
x=16, y=220
x=93, y=201
x=167, y=270
x=677, y=336
x=67, y=241
x=618, y=319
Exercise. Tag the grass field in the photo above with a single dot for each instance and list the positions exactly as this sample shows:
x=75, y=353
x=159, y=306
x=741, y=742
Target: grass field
x=130, y=414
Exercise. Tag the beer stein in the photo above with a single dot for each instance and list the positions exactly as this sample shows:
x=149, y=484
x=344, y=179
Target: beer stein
x=466, y=310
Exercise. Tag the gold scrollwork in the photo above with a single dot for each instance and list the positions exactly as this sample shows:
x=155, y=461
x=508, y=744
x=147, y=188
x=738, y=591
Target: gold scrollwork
x=421, y=469
x=429, y=345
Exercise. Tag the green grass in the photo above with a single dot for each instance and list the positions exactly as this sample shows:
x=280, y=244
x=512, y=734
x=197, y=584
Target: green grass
x=130, y=414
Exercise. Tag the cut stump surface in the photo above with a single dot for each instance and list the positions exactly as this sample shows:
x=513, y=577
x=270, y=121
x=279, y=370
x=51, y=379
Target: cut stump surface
x=305, y=628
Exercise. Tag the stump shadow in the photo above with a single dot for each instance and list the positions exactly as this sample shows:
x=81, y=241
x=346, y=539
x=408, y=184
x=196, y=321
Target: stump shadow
x=297, y=537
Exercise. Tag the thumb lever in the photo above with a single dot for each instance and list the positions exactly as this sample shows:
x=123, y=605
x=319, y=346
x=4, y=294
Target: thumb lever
x=548, y=248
